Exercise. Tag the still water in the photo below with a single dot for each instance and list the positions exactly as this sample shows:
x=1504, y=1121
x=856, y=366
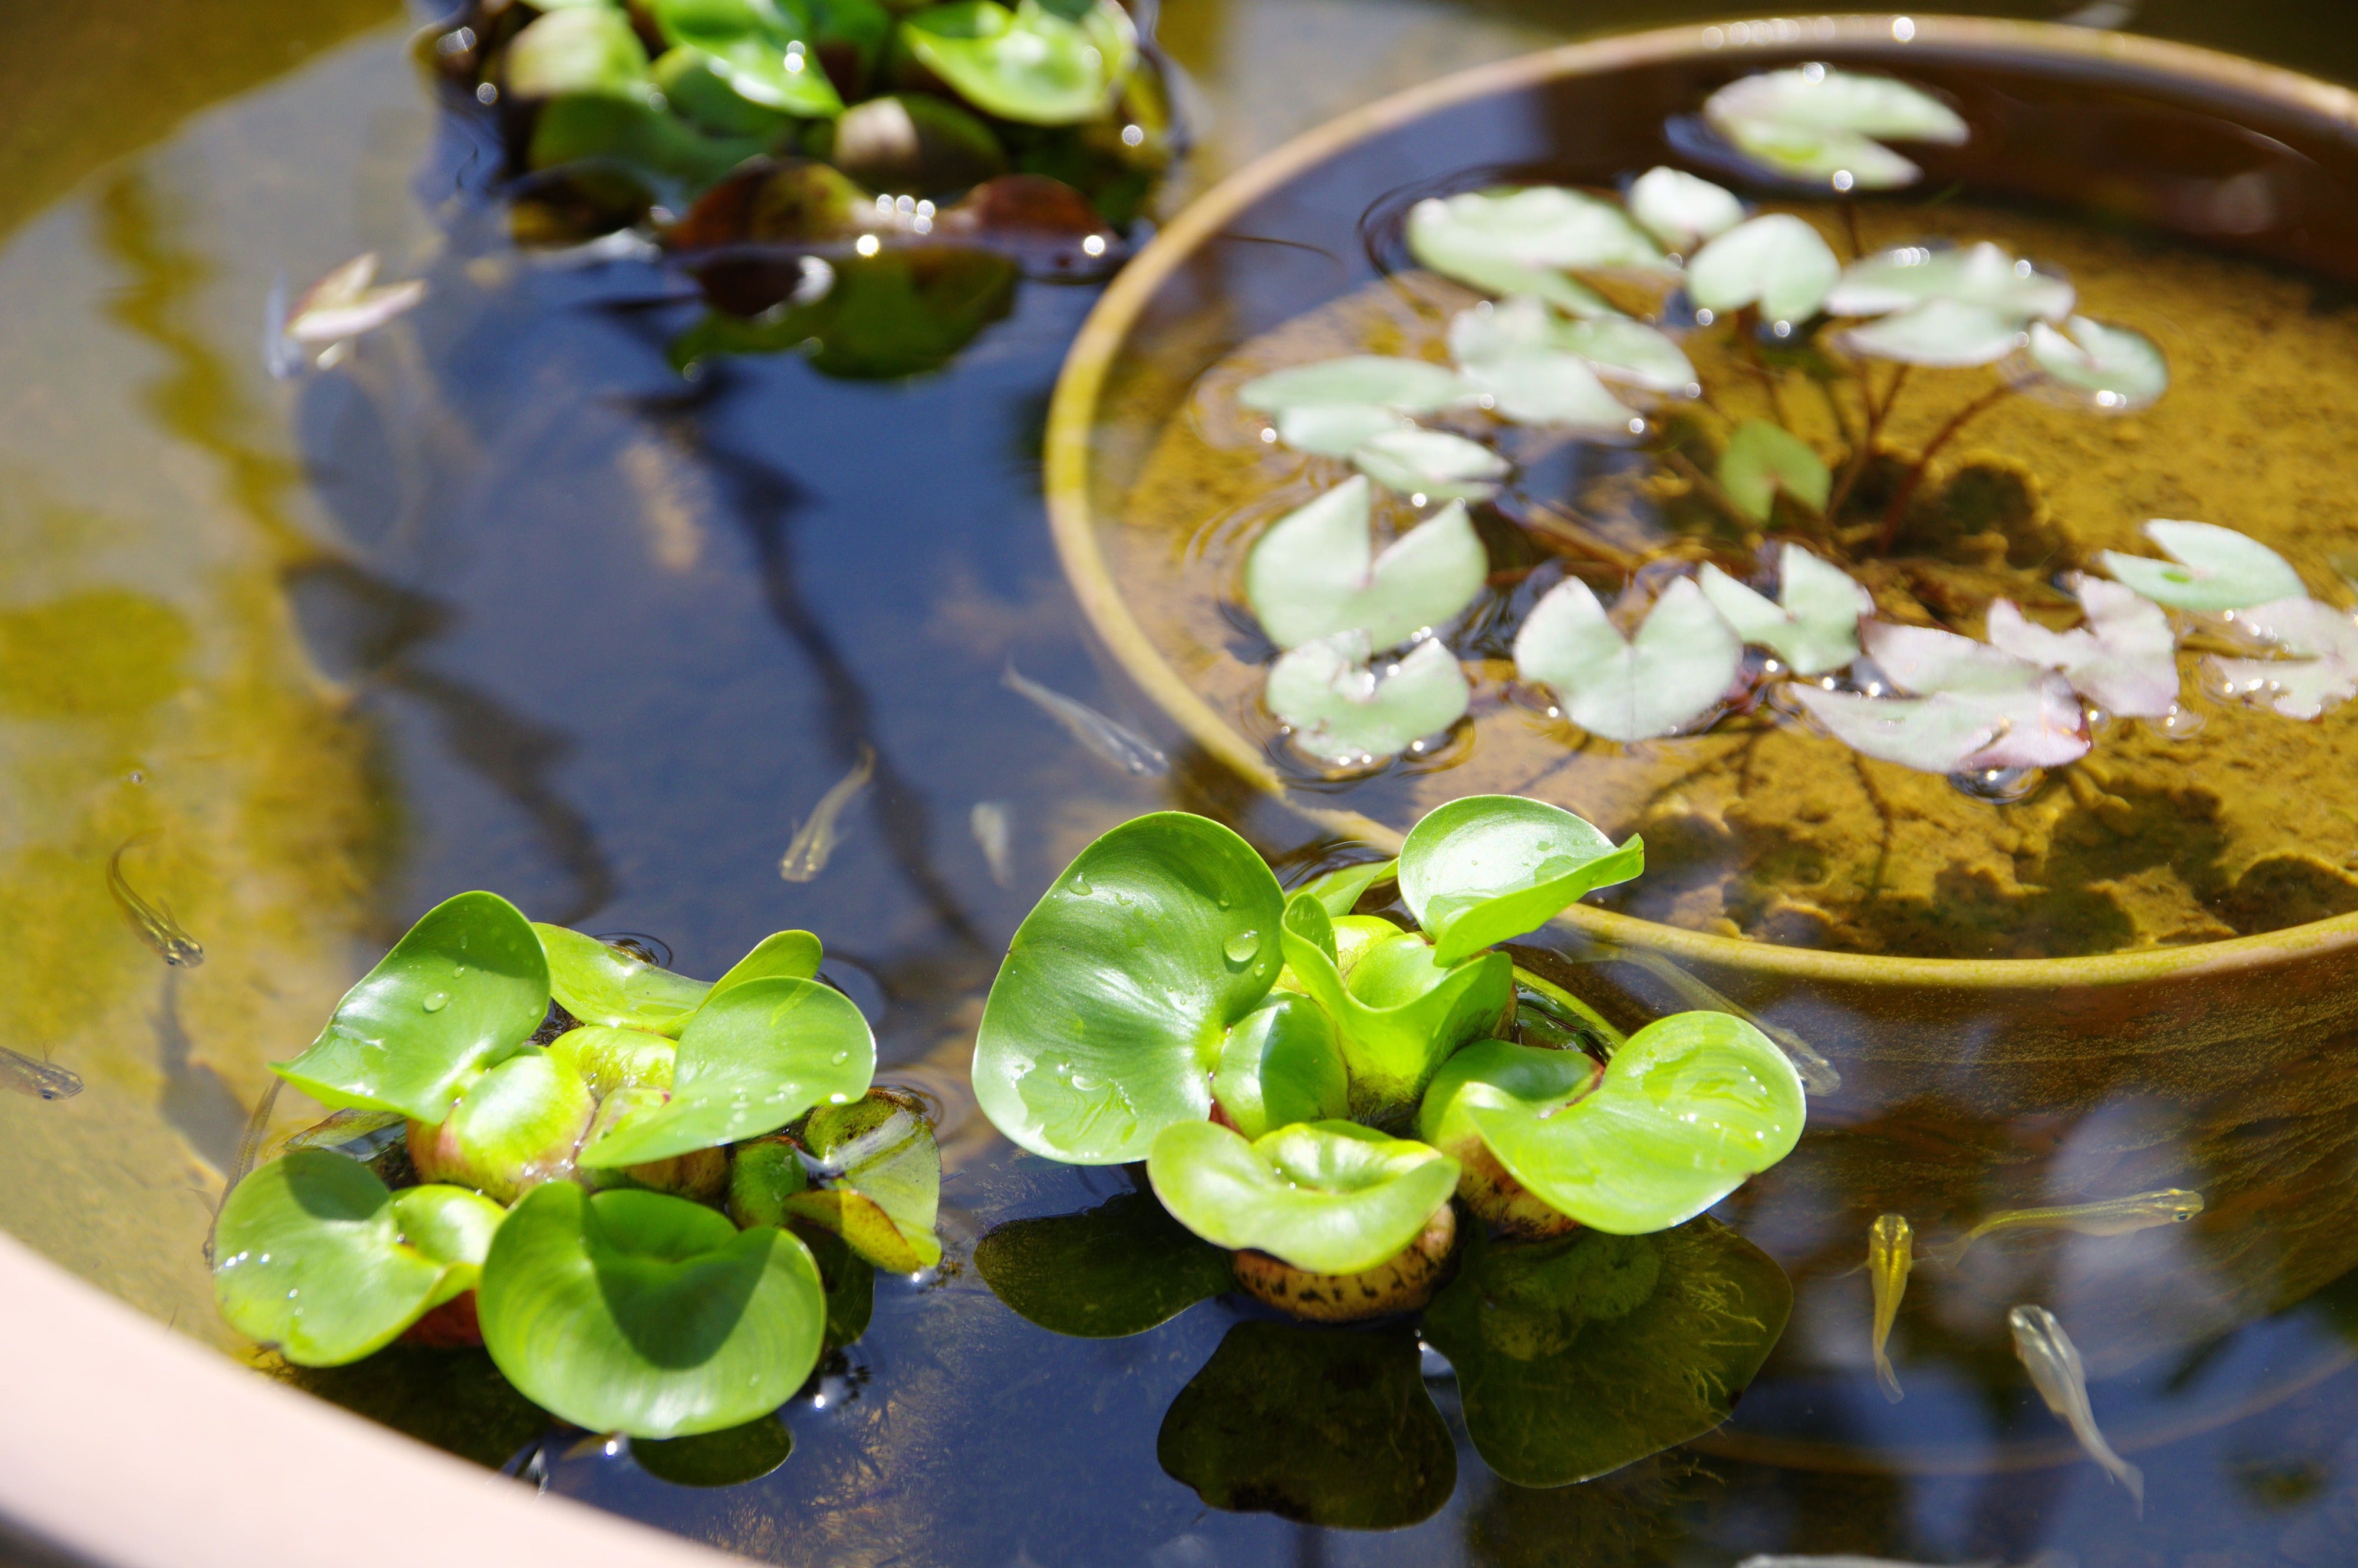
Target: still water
x=503, y=602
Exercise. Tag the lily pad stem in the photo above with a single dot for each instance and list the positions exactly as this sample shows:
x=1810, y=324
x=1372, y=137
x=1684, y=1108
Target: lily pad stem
x=1948, y=432
x=1561, y=527
x=1747, y=327
x=1875, y=415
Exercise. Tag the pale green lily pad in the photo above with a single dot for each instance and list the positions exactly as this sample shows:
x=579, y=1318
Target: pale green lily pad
x=1680, y=211
x=757, y=48
x=1117, y=1270
x=1282, y=1063
x=599, y=984
x=1481, y=869
x=577, y=52
x=1689, y=1108
x=1577, y=1357
x=1315, y=572
x=1981, y=274
x=1346, y=713
x=516, y=1127
x=1334, y=429
x=754, y=1059
x=1029, y=65
x=1947, y=333
x=1338, y=892
x=466, y=986
x=2091, y=364
x=1452, y=237
x=880, y=1176
x=1120, y=989
x=1813, y=624
x=1537, y=226
x=1368, y=381
x=1631, y=353
x=1539, y=369
x=1325, y=1429
x=1776, y=261
x=1680, y=665
x=1762, y=458
x=1331, y=1197
x=1947, y=733
x=1398, y=1012
x=2217, y=569
x=1815, y=123
x=312, y=1259
x=1432, y=464
x=2124, y=660
x=642, y=1313
x=2325, y=675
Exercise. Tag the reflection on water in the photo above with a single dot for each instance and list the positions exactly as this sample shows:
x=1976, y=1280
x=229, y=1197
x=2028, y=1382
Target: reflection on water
x=501, y=601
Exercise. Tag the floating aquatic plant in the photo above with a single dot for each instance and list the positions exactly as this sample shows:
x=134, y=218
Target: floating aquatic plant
x=1821, y=124
x=1319, y=1094
x=1680, y=665
x=612, y=1176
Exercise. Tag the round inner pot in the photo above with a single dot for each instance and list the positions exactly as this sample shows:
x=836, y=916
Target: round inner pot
x=1946, y=1088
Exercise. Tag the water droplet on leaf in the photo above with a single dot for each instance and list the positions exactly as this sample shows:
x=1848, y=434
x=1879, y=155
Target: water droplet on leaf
x=437, y=1000
x=1241, y=947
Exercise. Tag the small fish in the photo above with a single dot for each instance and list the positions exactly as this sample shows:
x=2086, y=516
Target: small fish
x=42, y=1080
x=993, y=831
x=2113, y=1217
x=2054, y=1363
x=1125, y=749
x=814, y=841
x=360, y=1133
x=1890, y=1253
x=154, y=922
x=342, y=304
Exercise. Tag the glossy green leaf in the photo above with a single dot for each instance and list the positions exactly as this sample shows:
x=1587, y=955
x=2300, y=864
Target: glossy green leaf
x=750, y=1061
x=1282, y=1065
x=580, y=51
x=1338, y=892
x=763, y=1174
x=1776, y=261
x=1816, y=123
x=1680, y=211
x=638, y=1312
x=2090, y=364
x=1539, y=227
x=611, y=1060
x=1813, y=624
x=1481, y=869
x=701, y=91
x=1689, y=1108
x=600, y=984
x=1120, y=988
x=2217, y=568
x=880, y=1181
x=465, y=987
x=1029, y=65
x=730, y=1457
x=1344, y=712
x=1311, y=1425
x=452, y=1226
x=516, y=1127
x=1315, y=572
x=1677, y=668
x=1432, y=464
x=1332, y=1197
x=1365, y=381
x=311, y=1260
x=1117, y=1270
x=1399, y=1014
x=1577, y=1357
x=782, y=955
x=757, y=48
x=1762, y=458
x=901, y=312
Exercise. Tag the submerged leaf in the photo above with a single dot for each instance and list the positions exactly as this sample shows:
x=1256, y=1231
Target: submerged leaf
x=2090, y=364
x=2323, y=676
x=1114, y=1270
x=1331, y=1197
x=1816, y=123
x=1315, y=572
x=1689, y=1108
x=2217, y=569
x=1681, y=662
x=1120, y=987
x=1346, y=713
x=1813, y=625
x=638, y=1312
x=2124, y=660
x=465, y=987
x=1762, y=458
x=1681, y=211
x=1577, y=1357
x=1432, y=464
x=1777, y=262
x=1486, y=868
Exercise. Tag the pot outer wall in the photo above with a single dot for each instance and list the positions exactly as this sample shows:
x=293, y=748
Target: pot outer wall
x=1966, y=1087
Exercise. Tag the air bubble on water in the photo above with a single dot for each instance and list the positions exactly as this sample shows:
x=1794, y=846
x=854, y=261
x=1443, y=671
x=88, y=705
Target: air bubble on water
x=2000, y=786
x=2180, y=722
x=1242, y=947
x=437, y=1000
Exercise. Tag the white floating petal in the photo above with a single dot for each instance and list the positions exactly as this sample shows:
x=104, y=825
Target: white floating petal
x=1430, y=463
x=1680, y=211
x=1343, y=713
x=1315, y=572
x=1777, y=262
x=2124, y=660
x=1681, y=663
x=1813, y=624
x=2217, y=568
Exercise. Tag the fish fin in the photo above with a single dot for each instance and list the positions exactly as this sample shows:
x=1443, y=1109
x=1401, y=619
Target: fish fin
x=2132, y=1478
x=1888, y=1379
x=1947, y=1257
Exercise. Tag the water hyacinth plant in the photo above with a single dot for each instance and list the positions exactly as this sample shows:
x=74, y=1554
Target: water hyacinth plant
x=1349, y=1107
x=872, y=179
x=652, y=1199
x=1778, y=561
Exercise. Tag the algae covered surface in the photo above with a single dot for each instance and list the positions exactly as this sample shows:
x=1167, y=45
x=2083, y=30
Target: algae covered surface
x=2240, y=821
